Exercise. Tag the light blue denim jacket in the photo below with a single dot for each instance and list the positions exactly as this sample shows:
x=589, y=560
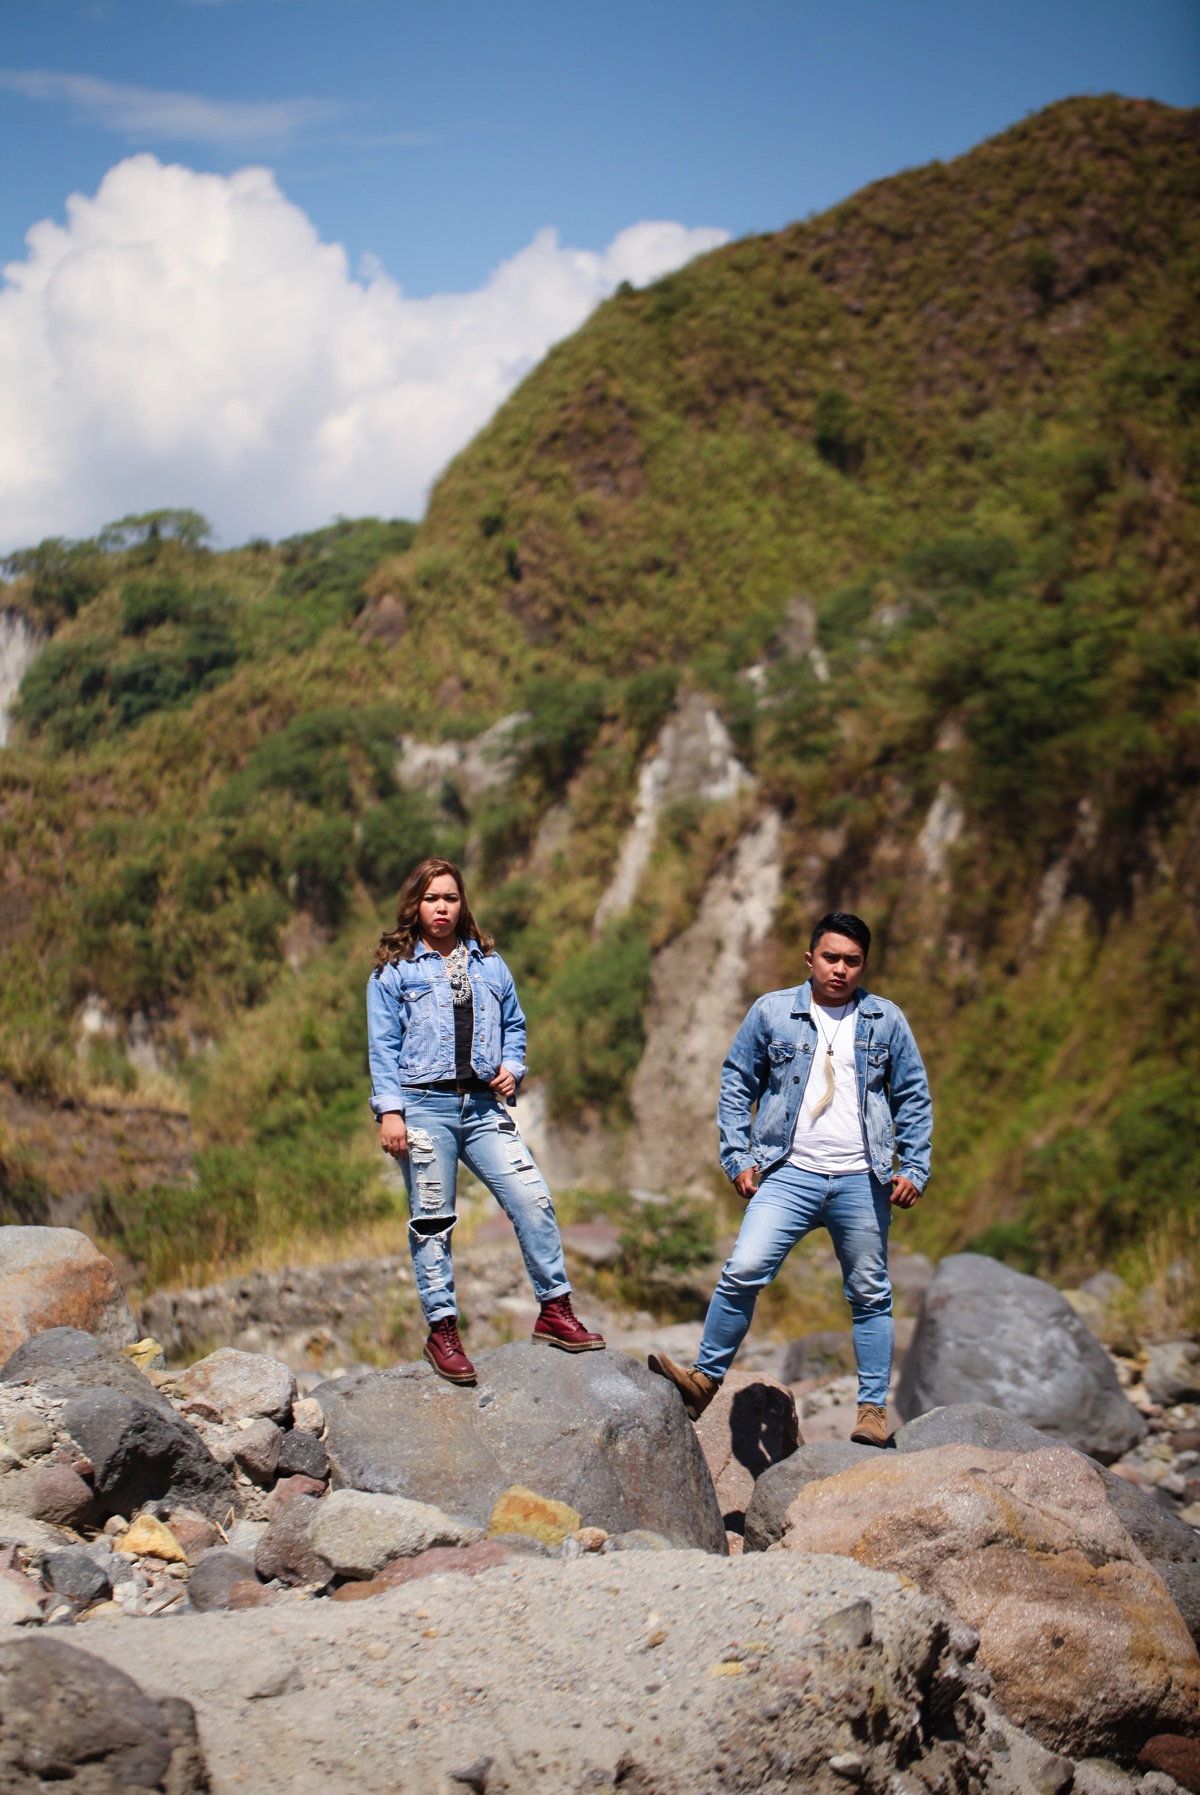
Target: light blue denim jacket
x=769, y=1063
x=410, y=1023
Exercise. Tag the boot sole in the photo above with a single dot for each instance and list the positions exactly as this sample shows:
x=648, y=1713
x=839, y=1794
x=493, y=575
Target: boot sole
x=869, y=1440
x=450, y=1377
x=590, y=1346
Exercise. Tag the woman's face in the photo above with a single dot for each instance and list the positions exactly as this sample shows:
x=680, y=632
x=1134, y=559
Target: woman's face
x=440, y=910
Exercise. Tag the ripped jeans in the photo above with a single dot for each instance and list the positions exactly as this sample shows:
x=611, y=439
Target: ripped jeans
x=442, y=1129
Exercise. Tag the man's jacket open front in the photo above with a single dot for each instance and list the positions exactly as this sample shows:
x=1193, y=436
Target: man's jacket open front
x=769, y=1065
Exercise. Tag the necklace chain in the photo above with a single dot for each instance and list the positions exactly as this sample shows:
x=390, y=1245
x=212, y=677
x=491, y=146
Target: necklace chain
x=830, y=1040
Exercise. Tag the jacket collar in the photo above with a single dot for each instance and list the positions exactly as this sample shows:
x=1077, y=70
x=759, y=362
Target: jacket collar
x=802, y=1002
x=421, y=950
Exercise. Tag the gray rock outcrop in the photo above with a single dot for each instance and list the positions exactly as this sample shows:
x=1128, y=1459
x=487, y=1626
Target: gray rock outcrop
x=992, y=1335
x=594, y=1430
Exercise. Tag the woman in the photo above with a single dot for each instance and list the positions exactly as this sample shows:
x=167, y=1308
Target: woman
x=447, y=1050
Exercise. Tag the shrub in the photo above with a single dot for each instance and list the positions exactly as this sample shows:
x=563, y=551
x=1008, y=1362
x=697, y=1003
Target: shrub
x=837, y=431
x=591, y=1025
x=146, y=604
x=65, y=576
x=565, y=718
x=320, y=862
x=395, y=835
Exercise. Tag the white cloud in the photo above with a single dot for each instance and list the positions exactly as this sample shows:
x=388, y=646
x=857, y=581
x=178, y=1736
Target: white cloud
x=187, y=339
x=142, y=113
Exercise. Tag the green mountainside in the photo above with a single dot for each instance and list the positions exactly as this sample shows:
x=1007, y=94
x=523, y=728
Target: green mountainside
x=910, y=490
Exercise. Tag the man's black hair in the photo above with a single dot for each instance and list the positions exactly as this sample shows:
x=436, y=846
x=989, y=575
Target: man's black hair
x=840, y=922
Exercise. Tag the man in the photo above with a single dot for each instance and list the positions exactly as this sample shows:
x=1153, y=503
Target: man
x=841, y=1094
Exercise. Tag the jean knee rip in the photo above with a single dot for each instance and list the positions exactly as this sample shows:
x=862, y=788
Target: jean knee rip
x=432, y=1228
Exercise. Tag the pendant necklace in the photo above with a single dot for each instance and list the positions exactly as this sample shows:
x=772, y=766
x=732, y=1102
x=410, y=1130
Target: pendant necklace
x=826, y=1097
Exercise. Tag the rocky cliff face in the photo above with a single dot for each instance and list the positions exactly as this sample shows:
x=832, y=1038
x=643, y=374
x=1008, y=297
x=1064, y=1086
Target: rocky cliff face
x=20, y=645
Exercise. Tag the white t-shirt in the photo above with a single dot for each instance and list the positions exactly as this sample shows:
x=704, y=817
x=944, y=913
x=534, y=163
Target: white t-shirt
x=834, y=1143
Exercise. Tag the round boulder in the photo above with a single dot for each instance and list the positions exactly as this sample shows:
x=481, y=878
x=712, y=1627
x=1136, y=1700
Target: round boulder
x=54, y=1277
x=594, y=1430
x=988, y=1334
x=242, y=1385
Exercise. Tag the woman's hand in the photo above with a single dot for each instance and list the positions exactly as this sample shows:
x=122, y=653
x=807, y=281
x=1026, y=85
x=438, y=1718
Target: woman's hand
x=504, y=1083
x=393, y=1134
x=904, y=1192
x=746, y=1183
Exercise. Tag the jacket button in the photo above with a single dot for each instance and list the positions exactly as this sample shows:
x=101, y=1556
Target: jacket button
x=796, y=1080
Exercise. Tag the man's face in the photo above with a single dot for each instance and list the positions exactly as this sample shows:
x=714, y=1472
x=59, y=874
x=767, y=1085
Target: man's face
x=836, y=965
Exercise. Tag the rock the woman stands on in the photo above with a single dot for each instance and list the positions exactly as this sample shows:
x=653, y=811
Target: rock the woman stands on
x=447, y=1053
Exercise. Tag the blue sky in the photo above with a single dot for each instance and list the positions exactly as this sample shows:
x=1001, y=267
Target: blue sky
x=440, y=137
x=184, y=332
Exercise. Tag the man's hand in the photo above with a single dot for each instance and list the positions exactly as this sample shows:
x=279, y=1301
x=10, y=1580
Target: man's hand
x=504, y=1083
x=746, y=1183
x=904, y=1192
x=393, y=1134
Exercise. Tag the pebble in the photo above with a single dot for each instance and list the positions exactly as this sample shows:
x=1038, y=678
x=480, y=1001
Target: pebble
x=29, y=1436
x=149, y=1538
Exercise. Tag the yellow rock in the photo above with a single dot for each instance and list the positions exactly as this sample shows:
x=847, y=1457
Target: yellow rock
x=728, y=1667
x=524, y=1511
x=99, y=1609
x=150, y=1539
x=146, y=1354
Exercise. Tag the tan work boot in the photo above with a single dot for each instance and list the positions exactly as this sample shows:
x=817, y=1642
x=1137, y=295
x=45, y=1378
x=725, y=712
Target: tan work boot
x=871, y=1428
x=696, y=1387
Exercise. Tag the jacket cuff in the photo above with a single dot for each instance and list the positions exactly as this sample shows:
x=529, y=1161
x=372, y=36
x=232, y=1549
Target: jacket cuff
x=738, y=1163
x=913, y=1178
x=387, y=1102
x=517, y=1071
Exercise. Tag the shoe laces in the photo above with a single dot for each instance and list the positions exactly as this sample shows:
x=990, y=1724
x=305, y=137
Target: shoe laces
x=560, y=1305
x=448, y=1329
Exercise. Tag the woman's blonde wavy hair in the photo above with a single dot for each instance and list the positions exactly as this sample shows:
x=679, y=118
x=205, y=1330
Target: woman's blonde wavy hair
x=398, y=943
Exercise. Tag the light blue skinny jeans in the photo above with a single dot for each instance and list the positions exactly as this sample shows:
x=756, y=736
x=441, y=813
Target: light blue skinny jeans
x=788, y=1204
x=443, y=1128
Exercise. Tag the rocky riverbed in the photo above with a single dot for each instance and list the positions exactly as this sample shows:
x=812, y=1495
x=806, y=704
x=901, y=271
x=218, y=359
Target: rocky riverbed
x=372, y=1580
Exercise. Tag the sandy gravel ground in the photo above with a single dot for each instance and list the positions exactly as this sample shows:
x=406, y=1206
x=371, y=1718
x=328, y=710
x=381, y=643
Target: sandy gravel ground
x=554, y=1670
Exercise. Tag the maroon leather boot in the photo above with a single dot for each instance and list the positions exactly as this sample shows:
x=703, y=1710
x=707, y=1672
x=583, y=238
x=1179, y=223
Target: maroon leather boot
x=444, y=1350
x=557, y=1325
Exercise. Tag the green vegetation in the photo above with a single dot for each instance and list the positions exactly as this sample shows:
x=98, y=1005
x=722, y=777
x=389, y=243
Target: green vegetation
x=911, y=490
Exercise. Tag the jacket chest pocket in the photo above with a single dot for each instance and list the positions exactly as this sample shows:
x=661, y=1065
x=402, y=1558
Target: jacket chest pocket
x=780, y=1055
x=878, y=1066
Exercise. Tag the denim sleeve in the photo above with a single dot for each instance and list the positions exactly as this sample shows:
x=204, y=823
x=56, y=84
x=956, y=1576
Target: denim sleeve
x=744, y=1078
x=911, y=1104
x=512, y=1027
x=385, y=1037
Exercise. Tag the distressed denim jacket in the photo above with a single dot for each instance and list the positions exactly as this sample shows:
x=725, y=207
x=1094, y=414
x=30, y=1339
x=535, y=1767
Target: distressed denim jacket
x=410, y=1023
x=769, y=1063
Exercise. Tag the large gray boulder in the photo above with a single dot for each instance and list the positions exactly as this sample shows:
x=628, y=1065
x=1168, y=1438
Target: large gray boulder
x=778, y=1487
x=1170, y=1545
x=55, y=1277
x=595, y=1430
x=139, y=1454
x=71, y=1719
x=988, y=1334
